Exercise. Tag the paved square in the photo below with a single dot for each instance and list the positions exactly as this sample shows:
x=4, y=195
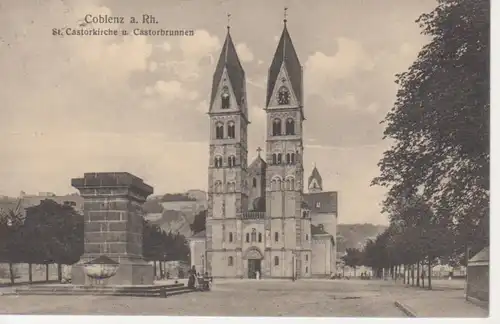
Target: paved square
x=228, y=298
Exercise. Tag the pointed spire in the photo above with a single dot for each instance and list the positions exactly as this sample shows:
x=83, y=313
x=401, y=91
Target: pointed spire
x=285, y=54
x=315, y=182
x=230, y=61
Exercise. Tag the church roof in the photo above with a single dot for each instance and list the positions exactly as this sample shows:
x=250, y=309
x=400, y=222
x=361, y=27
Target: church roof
x=285, y=54
x=258, y=163
x=199, y=235
x=229, y=59
x=315, y=175
x=322, y=202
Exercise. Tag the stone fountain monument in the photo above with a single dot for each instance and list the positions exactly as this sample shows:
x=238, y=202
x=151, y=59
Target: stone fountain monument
x=112, y=262
x=112, y=230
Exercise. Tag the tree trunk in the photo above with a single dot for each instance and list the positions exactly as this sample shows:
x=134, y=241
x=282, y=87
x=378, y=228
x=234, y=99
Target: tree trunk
x=59, y=272
x=154, y=269
x=413, y=275
x=46, y=272
x=11, y=273
x=161, y=269
x=429, y=285
x=418, y=273
x=354, y=271
x=30, y=273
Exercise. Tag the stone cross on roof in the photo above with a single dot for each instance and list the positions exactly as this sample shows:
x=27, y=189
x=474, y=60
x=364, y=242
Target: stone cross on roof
x=259, y=150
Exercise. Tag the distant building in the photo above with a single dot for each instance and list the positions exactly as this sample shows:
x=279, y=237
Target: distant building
x=25, y=200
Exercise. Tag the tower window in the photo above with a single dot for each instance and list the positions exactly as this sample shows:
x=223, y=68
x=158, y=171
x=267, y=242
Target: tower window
x=231, y=187
x=225, y=98
x=290, y=127
x=230, y=261
x=218, y=162
x=230, y=237
x=218, y=187
x=247, y=238
x=231, y=130
x=307, y=237
x=276, y=127
x=276, y=236
x=279, y=158
x=219, y=131
x=276, y=261
x=260, y=237
x=254, y=235
x=292, y=158
x=307, y=269
x=254, y=182
x=231, y=161
x=307, y=258
x=274, y=159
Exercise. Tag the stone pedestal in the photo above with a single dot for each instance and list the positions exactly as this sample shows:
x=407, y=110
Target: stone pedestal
x=113, y=226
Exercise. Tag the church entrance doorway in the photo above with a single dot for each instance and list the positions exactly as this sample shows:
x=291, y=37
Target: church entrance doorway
x=253, y=267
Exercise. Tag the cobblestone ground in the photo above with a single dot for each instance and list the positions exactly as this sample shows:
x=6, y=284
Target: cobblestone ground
x=233, y=298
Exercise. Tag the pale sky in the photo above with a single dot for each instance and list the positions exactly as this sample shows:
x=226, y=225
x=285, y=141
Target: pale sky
x=71, y=105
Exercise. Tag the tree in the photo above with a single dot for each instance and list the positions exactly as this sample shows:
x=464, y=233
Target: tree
x=53, y=233
x=198, y=224
x=352, y=258
x=440, y=124
x=11, y=241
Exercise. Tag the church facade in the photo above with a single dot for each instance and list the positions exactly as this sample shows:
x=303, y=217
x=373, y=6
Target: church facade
x=259, y=218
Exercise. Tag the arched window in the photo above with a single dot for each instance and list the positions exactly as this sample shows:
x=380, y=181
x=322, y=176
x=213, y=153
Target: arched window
x=307, y=258
x=290, y=127
x=218, y=161
x=231, y=130
x=276, y=261
x=290, y=183
x=278, y=158
x=276, y=127
x=254, y=235
x=231, y=187
x=307, y=237
x=231, y=161
x=260, y=237
x=247, y=238
x=225, y=98
x=278, y=184
x=274, y=159
x=307, y=269
x=292, y=158
x=219, y=131
x=218, y=186
x=276, y=236
x=230, y=237
x=254, y=182
x=304, y=214
x=230, y=261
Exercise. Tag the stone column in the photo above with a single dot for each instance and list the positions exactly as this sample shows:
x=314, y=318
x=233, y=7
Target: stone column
x=113, y=225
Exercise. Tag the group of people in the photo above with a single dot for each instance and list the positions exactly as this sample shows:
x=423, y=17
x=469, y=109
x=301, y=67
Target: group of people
x=198, y=281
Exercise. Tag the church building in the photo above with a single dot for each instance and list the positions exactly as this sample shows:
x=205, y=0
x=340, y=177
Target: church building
x=259, y=219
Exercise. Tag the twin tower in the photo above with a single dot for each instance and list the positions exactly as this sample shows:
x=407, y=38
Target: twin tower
x=257, y=220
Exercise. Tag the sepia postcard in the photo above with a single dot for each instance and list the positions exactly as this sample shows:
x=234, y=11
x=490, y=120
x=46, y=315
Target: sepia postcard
x=288, y=158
